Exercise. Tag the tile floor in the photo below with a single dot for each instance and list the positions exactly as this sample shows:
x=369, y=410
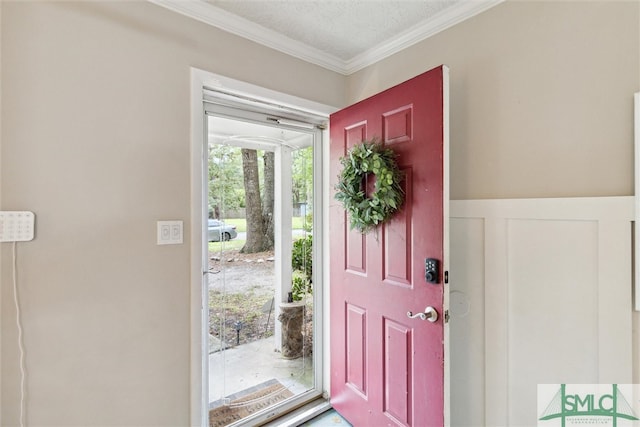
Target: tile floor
x=327, y=419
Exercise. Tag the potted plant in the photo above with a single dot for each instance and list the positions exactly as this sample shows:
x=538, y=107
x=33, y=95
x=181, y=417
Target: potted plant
x=292, y=313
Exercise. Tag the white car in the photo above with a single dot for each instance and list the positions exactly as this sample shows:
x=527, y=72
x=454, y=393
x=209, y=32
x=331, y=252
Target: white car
x=218, y=228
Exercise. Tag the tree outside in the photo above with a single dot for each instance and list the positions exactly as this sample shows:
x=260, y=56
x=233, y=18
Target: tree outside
x=245, y=178
x=257, y=239
x=226, y=192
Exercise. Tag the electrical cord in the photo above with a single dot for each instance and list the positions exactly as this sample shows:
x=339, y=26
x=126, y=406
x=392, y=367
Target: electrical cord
x=20, y=345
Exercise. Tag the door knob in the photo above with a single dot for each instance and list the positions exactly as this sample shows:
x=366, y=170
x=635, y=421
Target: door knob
x=429, y=314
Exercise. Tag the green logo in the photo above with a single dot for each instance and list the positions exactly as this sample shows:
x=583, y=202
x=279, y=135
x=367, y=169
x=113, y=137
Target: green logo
x=586, y=406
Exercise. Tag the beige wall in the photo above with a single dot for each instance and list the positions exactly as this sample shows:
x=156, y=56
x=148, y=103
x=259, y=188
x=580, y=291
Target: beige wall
x=95, y=141
x=1, y=275
x=541, y=97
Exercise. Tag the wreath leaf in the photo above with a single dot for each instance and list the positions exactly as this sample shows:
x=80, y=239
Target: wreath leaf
x=370, y=157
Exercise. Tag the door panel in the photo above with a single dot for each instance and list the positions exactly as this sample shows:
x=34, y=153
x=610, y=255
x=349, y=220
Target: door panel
x=397, y=125
x=388, y=369
x=356, y=252
x=356, y=360
x=398, y=350
x=397, y=253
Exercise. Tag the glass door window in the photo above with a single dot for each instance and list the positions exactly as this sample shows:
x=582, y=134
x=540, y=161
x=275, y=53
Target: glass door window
x=261, y=283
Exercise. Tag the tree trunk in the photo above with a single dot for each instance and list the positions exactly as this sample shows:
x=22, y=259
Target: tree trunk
x=255, y=224
x=267, y=200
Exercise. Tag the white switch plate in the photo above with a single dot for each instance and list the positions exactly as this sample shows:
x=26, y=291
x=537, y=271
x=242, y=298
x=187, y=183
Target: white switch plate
x=170, y=232
x=16, y=226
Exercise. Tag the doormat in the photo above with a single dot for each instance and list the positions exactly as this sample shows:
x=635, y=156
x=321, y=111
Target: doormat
x=246, y=402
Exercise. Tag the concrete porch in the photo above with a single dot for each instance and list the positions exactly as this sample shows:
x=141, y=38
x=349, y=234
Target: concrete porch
x=244, y=366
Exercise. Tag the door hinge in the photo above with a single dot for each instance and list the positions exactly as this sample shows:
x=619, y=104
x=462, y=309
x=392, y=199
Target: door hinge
x=446, y=316
x=446, y=277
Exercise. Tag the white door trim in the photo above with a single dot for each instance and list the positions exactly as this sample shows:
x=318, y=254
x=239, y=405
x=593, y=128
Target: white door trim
x=199, y=369
x=199, y=80
x=636, y=147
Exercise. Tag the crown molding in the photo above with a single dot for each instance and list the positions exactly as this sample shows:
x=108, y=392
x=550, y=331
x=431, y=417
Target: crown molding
x=209, y=14
x=446, y=19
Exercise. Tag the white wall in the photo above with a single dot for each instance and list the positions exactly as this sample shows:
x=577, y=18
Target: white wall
x=95, y=140
x=540, y=294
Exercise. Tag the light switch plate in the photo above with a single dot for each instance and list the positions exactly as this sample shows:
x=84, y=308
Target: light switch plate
x=16, y=226
x=170, y=232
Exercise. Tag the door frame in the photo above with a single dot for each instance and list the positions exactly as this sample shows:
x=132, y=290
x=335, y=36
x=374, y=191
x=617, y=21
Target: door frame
x=200, y=80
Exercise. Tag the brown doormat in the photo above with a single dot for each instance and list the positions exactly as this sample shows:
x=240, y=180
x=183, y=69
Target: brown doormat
x=247, y=402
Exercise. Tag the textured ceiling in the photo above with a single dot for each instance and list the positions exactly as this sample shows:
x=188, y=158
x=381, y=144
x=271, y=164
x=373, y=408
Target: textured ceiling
x=342, y=28
x=341, y=35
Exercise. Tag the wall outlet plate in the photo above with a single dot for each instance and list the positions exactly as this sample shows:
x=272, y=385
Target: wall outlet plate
x=16, y=226
x=170, y=232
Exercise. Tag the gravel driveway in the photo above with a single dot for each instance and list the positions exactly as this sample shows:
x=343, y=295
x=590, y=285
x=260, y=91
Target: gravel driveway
x=242, y=273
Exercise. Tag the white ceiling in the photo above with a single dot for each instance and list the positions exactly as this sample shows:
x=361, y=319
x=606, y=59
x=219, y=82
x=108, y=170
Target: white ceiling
x=341, y=35
x=253, y=135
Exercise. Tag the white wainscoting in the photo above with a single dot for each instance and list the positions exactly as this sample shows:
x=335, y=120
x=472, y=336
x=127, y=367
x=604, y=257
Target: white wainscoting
x=540, y=293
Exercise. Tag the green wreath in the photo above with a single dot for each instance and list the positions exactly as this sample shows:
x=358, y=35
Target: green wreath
x=366, y=213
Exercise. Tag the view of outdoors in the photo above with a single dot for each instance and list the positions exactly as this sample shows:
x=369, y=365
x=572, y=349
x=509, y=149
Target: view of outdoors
x=260, y=347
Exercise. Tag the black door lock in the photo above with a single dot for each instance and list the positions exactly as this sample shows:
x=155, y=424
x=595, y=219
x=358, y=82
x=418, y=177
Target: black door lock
x=431, y=271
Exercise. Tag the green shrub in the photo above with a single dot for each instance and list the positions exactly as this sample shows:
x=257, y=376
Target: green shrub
x=300, y=285
x=308, y=222
x=302, y=265
x=302, y=256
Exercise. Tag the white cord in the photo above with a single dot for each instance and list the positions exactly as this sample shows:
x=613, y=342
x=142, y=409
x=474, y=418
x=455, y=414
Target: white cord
x=15, y=299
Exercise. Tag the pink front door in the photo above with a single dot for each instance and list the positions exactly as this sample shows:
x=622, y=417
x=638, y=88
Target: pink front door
x=388, y=369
